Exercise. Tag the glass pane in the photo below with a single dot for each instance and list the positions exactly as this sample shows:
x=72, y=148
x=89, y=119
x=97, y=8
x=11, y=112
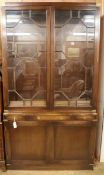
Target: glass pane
x=26, y=43
x=74, y=56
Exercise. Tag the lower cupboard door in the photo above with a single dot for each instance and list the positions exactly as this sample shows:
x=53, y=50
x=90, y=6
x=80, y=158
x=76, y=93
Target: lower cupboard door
x=26, y=144
x=75, y=144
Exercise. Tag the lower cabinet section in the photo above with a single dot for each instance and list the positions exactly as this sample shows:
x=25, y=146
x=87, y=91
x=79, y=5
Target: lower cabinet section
x=50, y=144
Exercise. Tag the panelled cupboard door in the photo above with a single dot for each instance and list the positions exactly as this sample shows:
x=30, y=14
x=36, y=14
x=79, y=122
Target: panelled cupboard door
x=26, y=143
x=73, y=143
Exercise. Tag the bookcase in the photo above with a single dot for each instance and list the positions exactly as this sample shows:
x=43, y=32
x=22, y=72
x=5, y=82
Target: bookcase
x=50, y=74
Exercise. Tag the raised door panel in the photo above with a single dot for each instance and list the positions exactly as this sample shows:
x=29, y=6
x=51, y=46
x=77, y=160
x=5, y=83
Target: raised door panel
x=74, y=143
x=71, y=143
x=26, y=142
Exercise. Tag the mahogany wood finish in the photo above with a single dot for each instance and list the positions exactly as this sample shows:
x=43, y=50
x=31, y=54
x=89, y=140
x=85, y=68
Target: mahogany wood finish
x=57, y=141
x=1, y=108
x=2, y=161
x=49, y=137
x=2, y=157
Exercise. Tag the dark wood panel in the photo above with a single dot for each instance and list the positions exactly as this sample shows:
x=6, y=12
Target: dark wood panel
x=72, y=143
x=75, y=143
x=26, y=142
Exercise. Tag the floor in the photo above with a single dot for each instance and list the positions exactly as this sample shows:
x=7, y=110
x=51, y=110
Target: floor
x=98, y=170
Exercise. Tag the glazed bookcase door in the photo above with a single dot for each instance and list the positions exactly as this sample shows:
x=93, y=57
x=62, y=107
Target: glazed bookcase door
x=74, y=57
x=26, y=33
x=51, y=57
